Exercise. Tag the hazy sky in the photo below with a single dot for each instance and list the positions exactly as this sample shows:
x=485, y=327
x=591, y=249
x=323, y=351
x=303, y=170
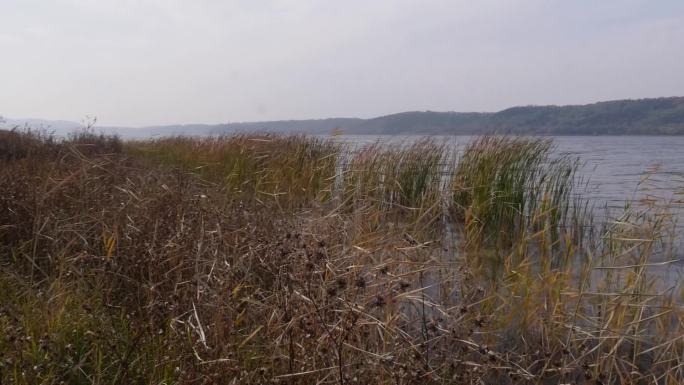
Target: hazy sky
x=143, y=62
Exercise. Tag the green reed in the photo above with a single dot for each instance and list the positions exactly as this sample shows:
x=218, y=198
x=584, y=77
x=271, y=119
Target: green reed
x=505, y=186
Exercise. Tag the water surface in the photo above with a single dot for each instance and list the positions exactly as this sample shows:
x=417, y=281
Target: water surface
x=616, y=168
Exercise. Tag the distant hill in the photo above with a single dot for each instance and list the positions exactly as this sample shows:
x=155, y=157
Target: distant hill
x=660, y=116
x=59, y=127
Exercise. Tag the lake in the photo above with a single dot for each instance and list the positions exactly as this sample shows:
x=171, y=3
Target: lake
x=615, y=168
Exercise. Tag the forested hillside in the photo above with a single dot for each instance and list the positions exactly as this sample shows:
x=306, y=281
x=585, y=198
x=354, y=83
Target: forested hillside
x=661, y=116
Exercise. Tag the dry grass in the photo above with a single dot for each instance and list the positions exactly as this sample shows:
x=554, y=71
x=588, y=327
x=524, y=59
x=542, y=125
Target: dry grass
x=254, y=259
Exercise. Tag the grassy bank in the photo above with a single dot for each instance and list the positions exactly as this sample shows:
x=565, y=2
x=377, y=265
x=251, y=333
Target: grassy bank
x=294, y=260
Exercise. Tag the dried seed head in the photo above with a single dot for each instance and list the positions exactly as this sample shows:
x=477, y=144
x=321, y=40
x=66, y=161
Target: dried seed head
x=341, y=283
x=479, y=321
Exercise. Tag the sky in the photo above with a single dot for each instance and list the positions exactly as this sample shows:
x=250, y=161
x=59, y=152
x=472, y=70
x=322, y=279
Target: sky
x=153, y=62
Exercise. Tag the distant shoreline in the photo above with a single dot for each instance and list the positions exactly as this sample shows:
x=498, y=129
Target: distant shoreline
x=641, y=117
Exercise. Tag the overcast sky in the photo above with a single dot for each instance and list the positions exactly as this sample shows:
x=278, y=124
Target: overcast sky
x=145, y=62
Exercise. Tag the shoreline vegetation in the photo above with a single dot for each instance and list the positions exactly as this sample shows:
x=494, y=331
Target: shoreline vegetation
x=257, y=259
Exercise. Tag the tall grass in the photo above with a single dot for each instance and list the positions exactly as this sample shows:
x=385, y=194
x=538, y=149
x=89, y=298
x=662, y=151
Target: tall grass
x=267, y=259
x=402, y=182
x=264, y=166
x=504, y=187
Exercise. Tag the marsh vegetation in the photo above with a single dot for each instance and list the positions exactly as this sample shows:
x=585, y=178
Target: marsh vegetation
x=255, y=259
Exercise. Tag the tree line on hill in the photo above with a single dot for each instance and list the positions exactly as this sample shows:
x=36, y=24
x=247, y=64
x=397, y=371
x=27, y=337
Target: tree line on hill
x=657, y=116
x=661, y=116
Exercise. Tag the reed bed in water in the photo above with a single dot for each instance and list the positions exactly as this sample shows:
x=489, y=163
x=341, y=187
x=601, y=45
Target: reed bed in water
x=219, y=261
x=502, y=184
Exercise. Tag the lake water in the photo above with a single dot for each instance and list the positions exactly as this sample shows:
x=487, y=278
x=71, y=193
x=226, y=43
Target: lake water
x=615, y=170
